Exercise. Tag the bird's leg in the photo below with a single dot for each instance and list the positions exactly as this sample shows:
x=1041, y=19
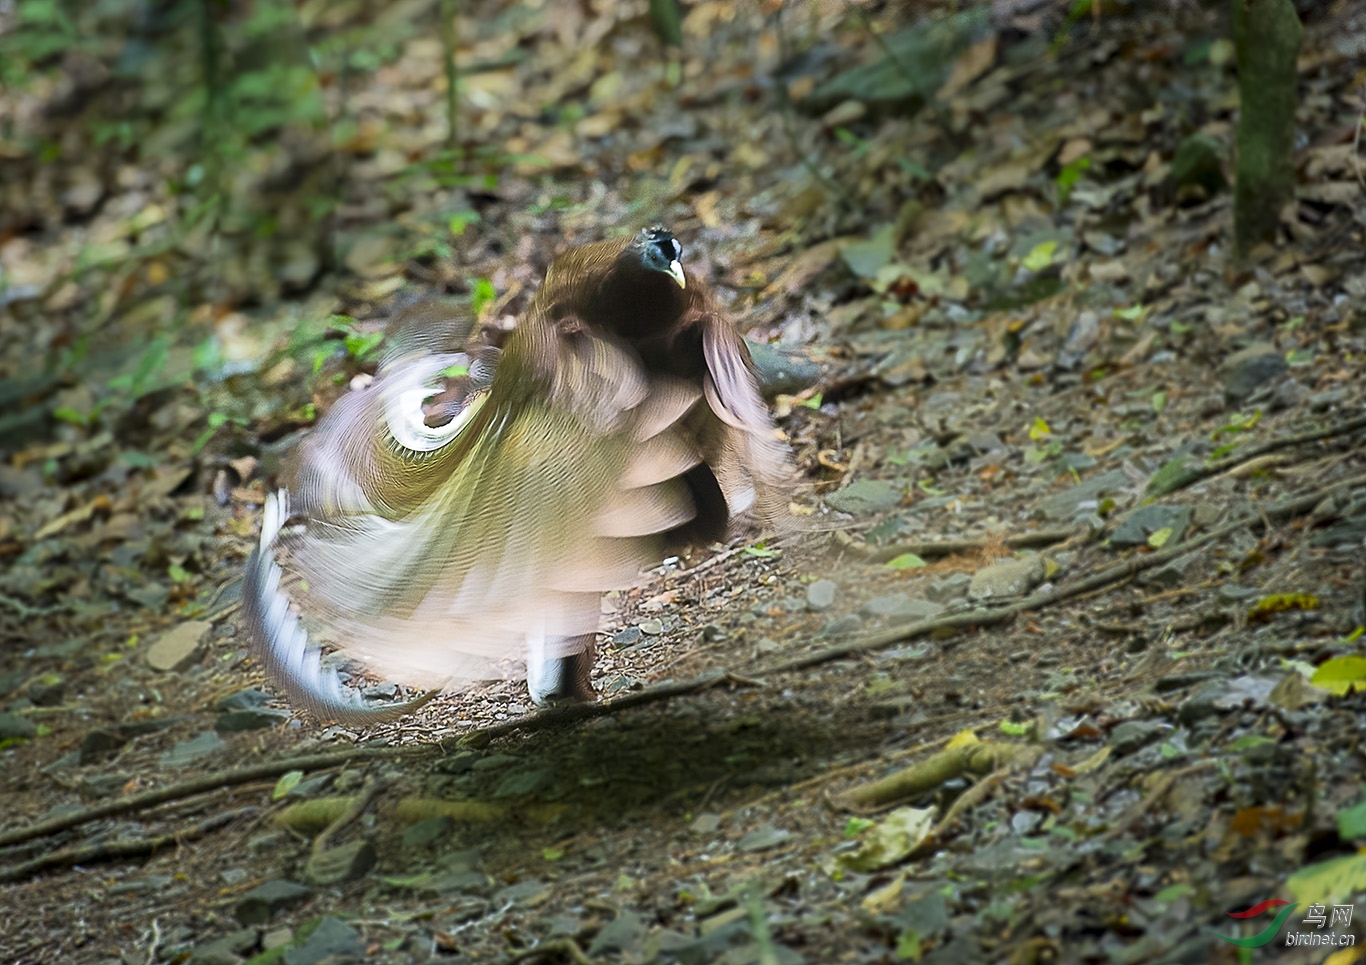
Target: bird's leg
x=560, y=668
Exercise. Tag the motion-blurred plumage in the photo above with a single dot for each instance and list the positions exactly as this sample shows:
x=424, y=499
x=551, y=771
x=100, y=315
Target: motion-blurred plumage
x=467, y=509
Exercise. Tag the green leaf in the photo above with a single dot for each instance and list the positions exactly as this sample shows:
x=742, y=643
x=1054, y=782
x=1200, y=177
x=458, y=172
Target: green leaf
x=462, y=220
x=288, y=781
x=908, y=946
x=1173, y=892
x=814, y=402
x=906, y=561
x=761, y=551
x=1069, y=176
x=856, y=826
x=1159, y=401
x=178, y=573
x=1352, y=822
x=137, y=460
x=552, y=854
x=359, y=345
x=1041, y=256
x=1133, y=313
x=68, y=414
x=482, y=294
x=1013, y=728
x=455, y=371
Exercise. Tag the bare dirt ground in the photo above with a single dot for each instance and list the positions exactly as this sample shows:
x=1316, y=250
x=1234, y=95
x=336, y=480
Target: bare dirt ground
x=1079, y=563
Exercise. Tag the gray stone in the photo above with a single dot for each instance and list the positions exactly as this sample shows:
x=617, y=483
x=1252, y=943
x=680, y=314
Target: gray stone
x=12, y=727
x=179, y=647
x=879, y=606
x=761, y=839
x=1171, y=575
x=625, y=933
x=261, y=718
x=1135, y=528
x=345, y=862
x=424, y=833
x=248, y=699
x=950, y=586
x=705, y=823
x=627, y=637
x=865, y=496
x=1068, y=503
x=194, y=749
x=1252, y=368
x=102, y=785
x=1002, y=580
x=1135, y=734
x=841, y=625
x=99, y=742
x=782, y=371
x=46, y=695
x=333, y=940
x=263, y=902
x=526, y=780
x=913, y=611
x=228, y=950
x=653, y=627
x=821, y=595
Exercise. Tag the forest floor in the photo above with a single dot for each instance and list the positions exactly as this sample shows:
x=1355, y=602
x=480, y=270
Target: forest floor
x=1081, y=568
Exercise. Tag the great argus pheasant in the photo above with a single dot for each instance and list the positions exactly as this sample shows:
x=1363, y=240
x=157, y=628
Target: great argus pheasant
x=468, y=508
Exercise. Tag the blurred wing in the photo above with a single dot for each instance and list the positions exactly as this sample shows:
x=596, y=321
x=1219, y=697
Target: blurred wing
x=432, y=551
x=753, y=467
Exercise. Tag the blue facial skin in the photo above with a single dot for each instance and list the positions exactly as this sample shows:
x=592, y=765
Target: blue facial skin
x=662, y=253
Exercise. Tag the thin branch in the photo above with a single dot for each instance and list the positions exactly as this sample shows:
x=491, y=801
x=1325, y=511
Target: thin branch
x=991, y=616
x=125, y=848
x=198, y=785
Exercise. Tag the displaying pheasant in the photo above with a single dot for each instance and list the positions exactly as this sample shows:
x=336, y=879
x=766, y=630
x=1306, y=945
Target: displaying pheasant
x=466, y=510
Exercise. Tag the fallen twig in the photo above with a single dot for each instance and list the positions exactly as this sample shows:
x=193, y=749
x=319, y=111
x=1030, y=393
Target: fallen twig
x=571, y=713
x=1232, y=462
x=125, y=848
x=930, y=549
x=980, y=759
x=1025, y=757
x=198, y=785
x=560, y=946
x=1126, y=569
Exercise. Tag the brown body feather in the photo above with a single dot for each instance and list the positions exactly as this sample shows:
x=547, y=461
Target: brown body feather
x=621, y=420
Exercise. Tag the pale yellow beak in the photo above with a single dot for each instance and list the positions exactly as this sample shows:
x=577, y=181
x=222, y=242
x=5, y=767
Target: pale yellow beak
x=676, y=273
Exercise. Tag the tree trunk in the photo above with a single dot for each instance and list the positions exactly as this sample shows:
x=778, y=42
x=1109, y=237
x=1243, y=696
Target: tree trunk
x=1266, y=34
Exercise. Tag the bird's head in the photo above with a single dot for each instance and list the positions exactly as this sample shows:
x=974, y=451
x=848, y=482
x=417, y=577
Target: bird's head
x=659, y=250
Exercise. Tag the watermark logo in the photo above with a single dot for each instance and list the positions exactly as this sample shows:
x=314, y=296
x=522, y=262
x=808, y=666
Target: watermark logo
x=1317, y=916
x=1268, y=934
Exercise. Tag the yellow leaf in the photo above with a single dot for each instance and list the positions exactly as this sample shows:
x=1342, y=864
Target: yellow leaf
x=963, y=738
x=1159, y=539
x=1341, y=675
x=1334, y=880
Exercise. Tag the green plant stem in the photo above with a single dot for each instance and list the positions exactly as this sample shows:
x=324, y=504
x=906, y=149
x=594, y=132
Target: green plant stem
x=450, y=9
